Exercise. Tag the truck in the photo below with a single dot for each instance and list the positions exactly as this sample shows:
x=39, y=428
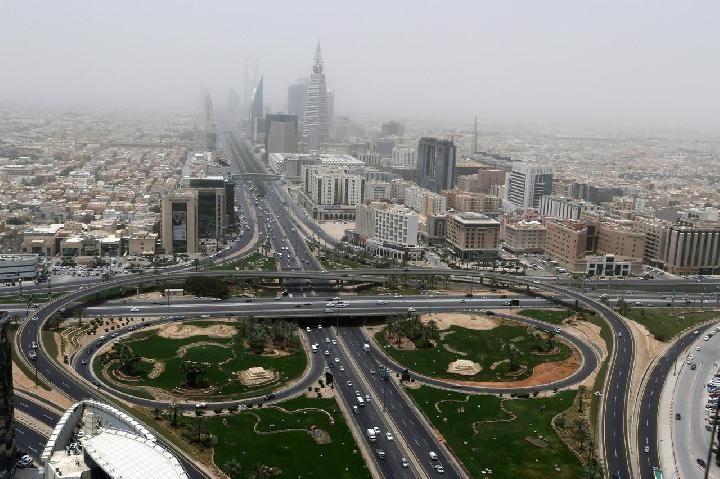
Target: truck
x=366, y=347
x=314, y=348
x=371, y=435
x=360, y=401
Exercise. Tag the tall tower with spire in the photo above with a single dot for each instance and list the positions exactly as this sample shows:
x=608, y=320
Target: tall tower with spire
x=316, y=128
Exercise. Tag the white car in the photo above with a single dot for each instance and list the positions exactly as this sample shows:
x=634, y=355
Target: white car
x=411, y=310
x=706, y=338
x=389, y=436
x=134, y=310
x=307, y=329
x=381, y=301
x=337, y=360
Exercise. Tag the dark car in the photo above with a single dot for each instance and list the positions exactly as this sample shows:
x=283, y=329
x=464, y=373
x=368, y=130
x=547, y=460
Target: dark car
x=693, y=366
x=701, y=463
x=269, y=396
x=678, y=416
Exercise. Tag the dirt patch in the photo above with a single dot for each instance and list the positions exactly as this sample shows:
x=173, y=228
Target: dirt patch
x=276, y=353
x=182, y=331
x=182, y=351
x=454, y=351
x=542, y=374
x=404, y=345
x=321, y=437
x=469, y=321
x=494, y=365
x=590, y=333
x=157, y=370
x=464, y=367
x=536, y=441
x=257, y=375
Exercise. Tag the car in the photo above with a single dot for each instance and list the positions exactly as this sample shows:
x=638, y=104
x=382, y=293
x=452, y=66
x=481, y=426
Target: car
x=463, y=300
x=32, y=354
x=381, y=301
x=342, y=368
x=404, y=462
x=389, y=436
x=696, y=332
x=327, y=340
x=701, y=463
x=337, y=360
x=333, y=341
x=433, y=456
x=647, y=448
x=34, y=345
x=619, y=333
x=270, y=396
x=693, y=366
x=376, y=429
x=440, y=469
x=678, y=416
x=380, y=453
x=83, y=361
x=356, y=410
x=372, y=371
x=411, y=310
x=201, y=405
x=307, y=303
x=349, y=383
x=697, y=349
x=319, y=326
x=327, y=353
x=705, y=338
x=367, y=398
x=134, y=310
x=690, y=356
x=307, y=329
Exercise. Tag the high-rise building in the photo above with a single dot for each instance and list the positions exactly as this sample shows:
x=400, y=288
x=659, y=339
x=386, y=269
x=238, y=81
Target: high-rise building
x=435, y=164
x=281, y=133
x=7, y=401
x=316, y=127
x=526, y=184
x=249, y=80
x=472, y=234
x=233, y=106
x=179, y=222
x=296, y=98
x=256, y=128
x=386, y=222
x=331, y=113
x=403, y=156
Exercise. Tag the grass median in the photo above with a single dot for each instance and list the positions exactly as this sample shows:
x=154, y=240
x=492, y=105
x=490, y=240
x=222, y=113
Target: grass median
x=666, y=323
x=546, y=315
x=510, y=437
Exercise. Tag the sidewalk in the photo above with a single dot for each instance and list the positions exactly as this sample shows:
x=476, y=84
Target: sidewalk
x=666, y=451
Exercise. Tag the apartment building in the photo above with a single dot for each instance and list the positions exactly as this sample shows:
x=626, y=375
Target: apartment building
x=472, y=234
x=567, y=242
x=524, y=236
x=377, y=190
x=478, y=202
x=481, y=182
x=424, y=201
x=564, y=208
x=388, y=230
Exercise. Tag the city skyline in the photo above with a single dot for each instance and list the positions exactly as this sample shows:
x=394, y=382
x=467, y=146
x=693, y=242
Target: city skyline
x=591, y=62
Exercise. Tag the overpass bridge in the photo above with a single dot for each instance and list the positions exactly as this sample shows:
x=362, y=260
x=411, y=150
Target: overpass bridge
x=255, y=176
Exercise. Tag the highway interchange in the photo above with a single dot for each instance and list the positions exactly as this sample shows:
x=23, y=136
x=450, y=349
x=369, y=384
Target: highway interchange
x=413, y=438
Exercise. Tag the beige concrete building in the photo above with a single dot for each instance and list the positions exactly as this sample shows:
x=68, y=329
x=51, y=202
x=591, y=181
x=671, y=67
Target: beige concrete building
x=478, y=202
x=141, y=245
x=481, y=182
x=620, y=241
x=524, y=236
x=179, y=222
x=471, y=234
x=566, y=241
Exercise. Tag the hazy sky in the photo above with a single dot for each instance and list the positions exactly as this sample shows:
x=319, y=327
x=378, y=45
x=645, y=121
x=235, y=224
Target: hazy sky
x=653, y=62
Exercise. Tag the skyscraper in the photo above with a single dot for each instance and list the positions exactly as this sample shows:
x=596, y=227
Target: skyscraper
x=255, y=126
x=7, y=406
x=233, y=106
x=249, y=81
x=526, y=184
x=435, y=164
x=296, y=98
x=316, y=127
x=281, y=133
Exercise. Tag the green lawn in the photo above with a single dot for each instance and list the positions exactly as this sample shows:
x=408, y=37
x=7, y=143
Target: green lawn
x=501, y=445
x=295, y=452
x=226, y=356
x=549, y=316
x=666, y=323
x=483, y=347
x=255, y=261
x=36, y=298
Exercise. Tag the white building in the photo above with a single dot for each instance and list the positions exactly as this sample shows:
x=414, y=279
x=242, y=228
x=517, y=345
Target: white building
x=526, y=184
x=404, y=156
x=14, y=267
x=564, y=208
x=331, y=192
x=388, y=229
x=93, y=439
x=377, y=190
x=425, y=201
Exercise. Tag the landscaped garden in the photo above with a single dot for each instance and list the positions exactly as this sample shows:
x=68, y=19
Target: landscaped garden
x=207, y=359
x=505, y=351
x=502, y=437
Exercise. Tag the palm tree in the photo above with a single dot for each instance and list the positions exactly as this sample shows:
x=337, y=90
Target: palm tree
x=232, y=468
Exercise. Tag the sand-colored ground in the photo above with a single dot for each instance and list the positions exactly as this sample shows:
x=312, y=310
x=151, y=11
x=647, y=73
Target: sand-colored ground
x=182, y=331
x=542, y=374
x=590, y=333
x=23, y=383
x=464, y=320
x=337, y=230
x=157, y=370
x=464, y=367
x=257, y=376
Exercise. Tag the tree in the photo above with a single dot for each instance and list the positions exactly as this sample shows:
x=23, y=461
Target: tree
x=514, y=366
x=156, y=413
x=259, y=471
x=195, y=372
x=232, y=468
